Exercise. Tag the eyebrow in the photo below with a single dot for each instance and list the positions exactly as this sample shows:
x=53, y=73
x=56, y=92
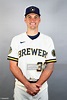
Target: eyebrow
x=34, y=16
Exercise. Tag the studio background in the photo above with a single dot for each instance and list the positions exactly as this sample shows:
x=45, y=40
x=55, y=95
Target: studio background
x=53, y=23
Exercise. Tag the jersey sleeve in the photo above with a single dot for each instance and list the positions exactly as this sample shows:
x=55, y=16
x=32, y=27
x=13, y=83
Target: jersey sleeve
x=51, y=55
x=13, y=51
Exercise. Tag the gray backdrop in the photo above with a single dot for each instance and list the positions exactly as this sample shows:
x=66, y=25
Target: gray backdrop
x=53, y=23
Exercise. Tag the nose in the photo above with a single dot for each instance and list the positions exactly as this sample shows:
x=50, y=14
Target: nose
x=32, y=19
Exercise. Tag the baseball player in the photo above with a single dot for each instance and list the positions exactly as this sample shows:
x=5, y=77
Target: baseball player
x=32, y=57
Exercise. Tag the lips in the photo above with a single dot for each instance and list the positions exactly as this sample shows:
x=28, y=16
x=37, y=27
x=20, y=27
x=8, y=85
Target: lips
x=32, y=23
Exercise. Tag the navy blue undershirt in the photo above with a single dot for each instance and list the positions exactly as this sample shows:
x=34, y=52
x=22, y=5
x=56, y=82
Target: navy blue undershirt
x=34, y=37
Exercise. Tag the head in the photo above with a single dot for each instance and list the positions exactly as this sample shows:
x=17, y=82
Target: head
x=32, y=17
x=32, y=9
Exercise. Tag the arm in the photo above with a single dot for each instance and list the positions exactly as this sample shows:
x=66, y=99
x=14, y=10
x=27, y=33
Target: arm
x=16, y=71
x=31, y=88
x=46, y=73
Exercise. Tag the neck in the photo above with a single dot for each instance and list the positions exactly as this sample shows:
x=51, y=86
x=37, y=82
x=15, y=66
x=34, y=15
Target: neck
x=32, y=32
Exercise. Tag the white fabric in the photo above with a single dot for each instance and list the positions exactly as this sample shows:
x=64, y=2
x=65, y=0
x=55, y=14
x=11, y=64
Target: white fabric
x=29, y=52
x=19, y=94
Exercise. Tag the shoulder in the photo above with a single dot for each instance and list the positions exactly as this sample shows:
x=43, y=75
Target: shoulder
x=18, y=37
x=46, y=37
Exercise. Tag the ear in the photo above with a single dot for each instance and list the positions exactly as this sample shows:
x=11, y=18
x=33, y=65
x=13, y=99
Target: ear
x=24, y=19
x=40, y=20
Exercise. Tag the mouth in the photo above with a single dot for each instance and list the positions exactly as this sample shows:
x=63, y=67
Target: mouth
x=32, y=23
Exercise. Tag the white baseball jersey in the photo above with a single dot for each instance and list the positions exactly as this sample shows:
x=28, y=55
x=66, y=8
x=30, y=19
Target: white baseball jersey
x=32, y=55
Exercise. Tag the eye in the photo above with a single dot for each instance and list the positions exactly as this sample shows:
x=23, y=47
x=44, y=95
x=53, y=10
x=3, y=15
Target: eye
x=29, y=17
x=36, y=17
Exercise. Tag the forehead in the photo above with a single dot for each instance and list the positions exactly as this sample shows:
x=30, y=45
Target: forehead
x=32, y=14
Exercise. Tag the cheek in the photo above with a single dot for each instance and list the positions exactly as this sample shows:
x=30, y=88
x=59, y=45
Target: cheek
x=26, y=21
x=38, y=22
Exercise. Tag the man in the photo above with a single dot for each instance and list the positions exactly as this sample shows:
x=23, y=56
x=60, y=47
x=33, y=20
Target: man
x=32, y=57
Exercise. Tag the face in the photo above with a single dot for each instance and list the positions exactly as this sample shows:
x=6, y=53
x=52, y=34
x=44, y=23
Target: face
x=32, y=20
